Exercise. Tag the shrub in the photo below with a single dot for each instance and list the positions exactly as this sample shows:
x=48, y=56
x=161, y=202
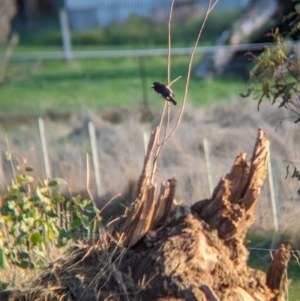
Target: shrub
x=35, y=216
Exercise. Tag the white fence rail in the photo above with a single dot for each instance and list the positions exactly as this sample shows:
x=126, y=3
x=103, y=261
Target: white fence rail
x=57, y=55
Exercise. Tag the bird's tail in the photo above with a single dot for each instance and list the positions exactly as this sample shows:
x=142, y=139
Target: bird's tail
x=172, y=100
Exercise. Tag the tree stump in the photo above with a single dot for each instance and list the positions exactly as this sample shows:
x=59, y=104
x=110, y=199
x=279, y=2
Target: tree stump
x=160, y=250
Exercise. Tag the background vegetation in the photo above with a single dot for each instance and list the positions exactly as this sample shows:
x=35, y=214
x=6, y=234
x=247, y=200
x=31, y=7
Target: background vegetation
x=134, y=31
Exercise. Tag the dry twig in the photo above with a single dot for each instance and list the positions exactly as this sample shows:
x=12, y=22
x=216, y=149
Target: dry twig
x=211, y=6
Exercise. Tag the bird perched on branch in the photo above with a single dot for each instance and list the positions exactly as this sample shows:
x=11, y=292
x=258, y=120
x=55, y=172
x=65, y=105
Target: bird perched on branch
x=164, y=91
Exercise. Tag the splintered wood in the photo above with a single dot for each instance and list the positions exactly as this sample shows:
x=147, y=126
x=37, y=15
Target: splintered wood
x=230, y=209
x=148, y=211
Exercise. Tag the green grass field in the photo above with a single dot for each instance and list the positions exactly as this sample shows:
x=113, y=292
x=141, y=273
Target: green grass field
x=293, y=274
x=258, y=260
x=33, y=88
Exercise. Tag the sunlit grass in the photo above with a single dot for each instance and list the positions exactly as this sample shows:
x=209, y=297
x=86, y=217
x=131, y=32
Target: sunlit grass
x=35, y=87
x=256, y=261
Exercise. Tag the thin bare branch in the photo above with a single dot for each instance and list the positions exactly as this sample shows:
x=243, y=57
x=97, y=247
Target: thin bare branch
x=160, y=146
x=169, y=42
x=165, y=138
x=211, y=6
x=108, y=203
x=175, y=80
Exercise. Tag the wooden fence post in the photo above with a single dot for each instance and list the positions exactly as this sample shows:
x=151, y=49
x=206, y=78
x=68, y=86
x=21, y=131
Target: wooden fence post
x=146, y=140
x=44, y=148
x=65, y=33
x=208, y=164
x=93, y=139
x=272, y=194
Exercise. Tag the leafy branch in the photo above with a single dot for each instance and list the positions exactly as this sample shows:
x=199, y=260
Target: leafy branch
x=30, y=221
x=276, y=74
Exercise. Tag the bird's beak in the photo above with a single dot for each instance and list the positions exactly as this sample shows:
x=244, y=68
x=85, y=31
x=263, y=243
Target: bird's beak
x=152, y=86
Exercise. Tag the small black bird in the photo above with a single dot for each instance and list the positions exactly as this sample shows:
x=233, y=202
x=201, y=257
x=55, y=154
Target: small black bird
x=164, y=91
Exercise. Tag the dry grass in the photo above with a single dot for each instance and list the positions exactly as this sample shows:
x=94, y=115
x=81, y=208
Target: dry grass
x=229, y=128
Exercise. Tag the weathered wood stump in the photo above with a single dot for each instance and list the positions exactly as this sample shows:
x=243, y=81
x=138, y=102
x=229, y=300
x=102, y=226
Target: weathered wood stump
x=160, y=250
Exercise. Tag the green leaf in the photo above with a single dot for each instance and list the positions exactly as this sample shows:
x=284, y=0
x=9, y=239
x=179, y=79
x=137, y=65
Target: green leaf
x=69, y=206
x=24, y=179
x=21, y=238
x=78, y=213
x=287, y=171
x=60, y=181
x=296, y=174
x=8, y=156
x=2, y=259
x=90, y=209
x=85, y=221
x=23, y=255
x=29, y=169
x=53, y=183
x=23, y=189
x=50, y=233
x=25, y=264
x=75, y=223
x=21, y=217
x=266, y=89
x=11, y=205
x=29, y=221
x=23, y=226
x=76, y=201
x=247, y=94
x=42, y=197
x=35, y=199
x=286, y=94
x=289, y=16
x=64, y=234
x=51, y=213
x=7, y=218
x=58, y=199
x=297, y=8
x=259, y=102
x=48, y=208
x=37, y=238
x=297, y=120
x=3, y=286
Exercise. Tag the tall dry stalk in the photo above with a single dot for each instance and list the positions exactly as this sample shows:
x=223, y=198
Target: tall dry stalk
x=166, y=110
x=210, y=7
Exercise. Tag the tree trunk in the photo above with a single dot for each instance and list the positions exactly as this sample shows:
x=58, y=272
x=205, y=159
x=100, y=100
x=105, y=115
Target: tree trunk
x=8, y=9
